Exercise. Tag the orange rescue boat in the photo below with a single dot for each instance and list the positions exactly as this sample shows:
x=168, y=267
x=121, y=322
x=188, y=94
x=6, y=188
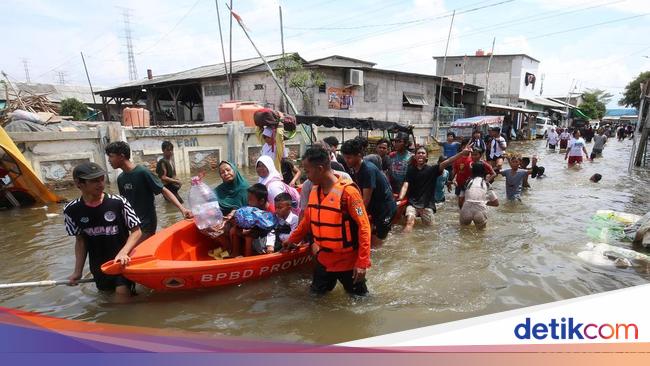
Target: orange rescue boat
x=176, y=258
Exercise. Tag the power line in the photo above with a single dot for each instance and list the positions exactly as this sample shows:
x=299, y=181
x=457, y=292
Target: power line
x=492, y=27
x=414, y=21
x=164, y=36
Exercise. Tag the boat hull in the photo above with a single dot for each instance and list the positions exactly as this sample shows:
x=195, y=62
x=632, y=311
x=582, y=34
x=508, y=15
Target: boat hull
x=176, y=259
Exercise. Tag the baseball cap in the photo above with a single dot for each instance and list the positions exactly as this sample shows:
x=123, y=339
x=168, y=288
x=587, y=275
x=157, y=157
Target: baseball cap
x=87, y=170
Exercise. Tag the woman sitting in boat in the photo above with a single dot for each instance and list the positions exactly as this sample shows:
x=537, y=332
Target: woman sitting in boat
x=231, y=194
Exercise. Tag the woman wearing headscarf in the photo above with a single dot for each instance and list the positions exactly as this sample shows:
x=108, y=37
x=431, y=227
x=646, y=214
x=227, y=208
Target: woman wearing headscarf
x=232, y=192
x=269, y=176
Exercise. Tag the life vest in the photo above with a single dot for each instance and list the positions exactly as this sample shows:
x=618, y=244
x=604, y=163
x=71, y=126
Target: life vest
x=331, y=226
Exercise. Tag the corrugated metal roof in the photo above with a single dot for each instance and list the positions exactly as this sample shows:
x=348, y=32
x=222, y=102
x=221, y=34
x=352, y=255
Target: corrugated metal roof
x=56, y=93
x=202, y=72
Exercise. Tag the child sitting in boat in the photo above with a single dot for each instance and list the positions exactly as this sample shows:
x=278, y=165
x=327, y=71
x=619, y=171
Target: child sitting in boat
x=253, y=237
x=287, y=222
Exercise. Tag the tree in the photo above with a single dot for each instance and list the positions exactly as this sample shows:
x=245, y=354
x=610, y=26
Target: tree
x=632, y=91
x=301, y=79
x=594, y=103
x=75, y=108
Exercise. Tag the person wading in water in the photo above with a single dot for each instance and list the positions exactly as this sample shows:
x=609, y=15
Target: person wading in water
x=337, y=220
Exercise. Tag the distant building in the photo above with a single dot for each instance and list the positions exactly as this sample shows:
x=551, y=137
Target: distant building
x=621, y=115
x=514, y=88
x=353, y=88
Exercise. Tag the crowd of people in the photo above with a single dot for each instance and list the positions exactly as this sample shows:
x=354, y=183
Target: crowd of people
x=346, y=202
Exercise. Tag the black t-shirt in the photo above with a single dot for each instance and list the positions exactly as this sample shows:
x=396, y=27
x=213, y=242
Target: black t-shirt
x=422, y=182
x=381, y=201
x=139, y=187
x=105, y=228
x=171, y=172
x=287, y=170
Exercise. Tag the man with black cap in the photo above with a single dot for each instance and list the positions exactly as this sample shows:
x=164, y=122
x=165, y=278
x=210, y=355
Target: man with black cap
x=105, y=228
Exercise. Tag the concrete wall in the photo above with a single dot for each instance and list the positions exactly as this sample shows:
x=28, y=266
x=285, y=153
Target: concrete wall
x=54, y=154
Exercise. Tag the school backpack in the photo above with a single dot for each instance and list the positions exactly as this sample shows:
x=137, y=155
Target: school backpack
x=295, y=196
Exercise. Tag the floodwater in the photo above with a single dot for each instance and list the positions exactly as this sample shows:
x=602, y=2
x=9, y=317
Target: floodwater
x=526, y=256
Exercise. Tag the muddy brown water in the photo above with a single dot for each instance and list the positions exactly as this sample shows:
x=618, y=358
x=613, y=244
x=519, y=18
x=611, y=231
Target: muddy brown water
x=526, y=256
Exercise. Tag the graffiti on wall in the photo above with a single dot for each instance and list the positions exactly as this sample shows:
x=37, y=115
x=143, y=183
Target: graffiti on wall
x=340, y=98
x=204, y=160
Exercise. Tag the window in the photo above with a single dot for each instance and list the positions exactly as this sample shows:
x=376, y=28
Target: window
x=413, y=100
x=322, y=88
x=216, y=90
x=459, y=65
x=258, y=87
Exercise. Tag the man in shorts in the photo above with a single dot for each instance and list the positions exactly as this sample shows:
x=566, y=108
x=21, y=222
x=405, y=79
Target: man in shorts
x=105, y=228
x=419, y=186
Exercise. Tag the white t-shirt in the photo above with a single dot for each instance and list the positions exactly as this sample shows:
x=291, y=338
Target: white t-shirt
x=576, y=146
x=565, y=136
x=268, y=151
x=478, y=191
x=552, y=138
x=291, y=220
x=497, y=146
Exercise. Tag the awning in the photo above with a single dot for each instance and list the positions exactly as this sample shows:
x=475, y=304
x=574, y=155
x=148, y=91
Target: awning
x=517, y=109
x=565, y=104
x=415, y=99
x=579, y=113
x=558, y=111
x=353, y=123
x=478, y=121
x=544, y=102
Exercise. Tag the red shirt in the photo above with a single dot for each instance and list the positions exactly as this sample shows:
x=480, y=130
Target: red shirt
x=463, y=169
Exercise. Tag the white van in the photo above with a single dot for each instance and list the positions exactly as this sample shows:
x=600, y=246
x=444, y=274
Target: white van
x=542, y=126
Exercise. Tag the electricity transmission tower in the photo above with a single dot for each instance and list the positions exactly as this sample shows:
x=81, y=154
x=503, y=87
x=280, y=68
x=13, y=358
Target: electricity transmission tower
x=133, y=71
x=26, y=65
x=61, y=77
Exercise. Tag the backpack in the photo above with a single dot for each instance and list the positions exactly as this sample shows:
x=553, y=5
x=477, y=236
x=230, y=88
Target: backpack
x=295, y=196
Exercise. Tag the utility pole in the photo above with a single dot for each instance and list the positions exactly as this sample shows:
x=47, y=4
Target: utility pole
x=232, y=83
x=88, y=77
x=133, y=71
x=541, y=87
x=284, y=61
x=26, y=66
x=223, y=51
x=487, y=77
x=444, y=66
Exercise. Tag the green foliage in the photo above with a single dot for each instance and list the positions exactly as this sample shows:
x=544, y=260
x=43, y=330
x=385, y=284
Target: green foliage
x=299, y=78
x=75, y=108
x=594, y=103
x=632, y=91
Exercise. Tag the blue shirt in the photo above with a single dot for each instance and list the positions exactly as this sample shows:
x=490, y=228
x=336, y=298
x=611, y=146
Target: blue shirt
x=450, y=148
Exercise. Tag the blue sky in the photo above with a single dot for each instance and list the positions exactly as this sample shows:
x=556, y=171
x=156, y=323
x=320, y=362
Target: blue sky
x=588, y=43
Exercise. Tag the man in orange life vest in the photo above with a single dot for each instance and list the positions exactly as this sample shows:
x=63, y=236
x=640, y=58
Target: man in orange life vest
x=337, y=219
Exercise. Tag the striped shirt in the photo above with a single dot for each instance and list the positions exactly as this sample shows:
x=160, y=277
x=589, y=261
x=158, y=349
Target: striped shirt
x=105, y=228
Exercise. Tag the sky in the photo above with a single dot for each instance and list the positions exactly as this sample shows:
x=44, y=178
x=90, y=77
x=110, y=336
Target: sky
x=581, y=44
